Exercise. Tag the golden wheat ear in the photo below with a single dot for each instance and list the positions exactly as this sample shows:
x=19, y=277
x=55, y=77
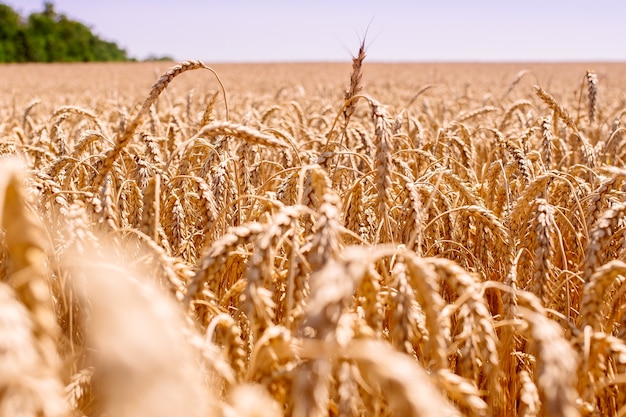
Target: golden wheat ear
x=141, y=346
x=29, y=327
x=355, y=86
x=592, y=93
x=159, y=86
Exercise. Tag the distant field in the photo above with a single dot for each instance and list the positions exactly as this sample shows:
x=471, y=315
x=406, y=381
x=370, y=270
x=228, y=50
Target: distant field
x=313, y=239
x=72, y=81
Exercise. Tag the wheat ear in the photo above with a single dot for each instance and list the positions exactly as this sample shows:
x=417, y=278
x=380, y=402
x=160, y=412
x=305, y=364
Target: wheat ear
x=355, y=83
x=158, y=87
x=592, y=92
x=36, y=327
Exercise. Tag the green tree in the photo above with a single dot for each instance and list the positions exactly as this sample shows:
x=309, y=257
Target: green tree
x=50, y=37
x=76, y=38
x=37, y=32
x=10, y=26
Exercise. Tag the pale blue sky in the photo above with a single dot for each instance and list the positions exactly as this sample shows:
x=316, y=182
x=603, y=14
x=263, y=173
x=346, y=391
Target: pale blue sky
x=400, y=30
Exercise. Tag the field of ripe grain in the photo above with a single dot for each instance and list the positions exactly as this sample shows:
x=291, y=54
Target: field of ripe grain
x=312, y=240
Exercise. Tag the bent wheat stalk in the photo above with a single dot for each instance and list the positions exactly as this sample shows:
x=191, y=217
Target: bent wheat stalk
x=158, y=87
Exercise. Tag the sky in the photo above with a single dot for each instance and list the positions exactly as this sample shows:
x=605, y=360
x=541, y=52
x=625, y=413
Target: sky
x=326, y=30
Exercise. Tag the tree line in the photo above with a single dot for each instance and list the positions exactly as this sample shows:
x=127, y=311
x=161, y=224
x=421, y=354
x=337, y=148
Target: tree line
x=51, y=37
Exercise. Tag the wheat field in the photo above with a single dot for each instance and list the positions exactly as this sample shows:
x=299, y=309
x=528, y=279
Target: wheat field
x=312, y=240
